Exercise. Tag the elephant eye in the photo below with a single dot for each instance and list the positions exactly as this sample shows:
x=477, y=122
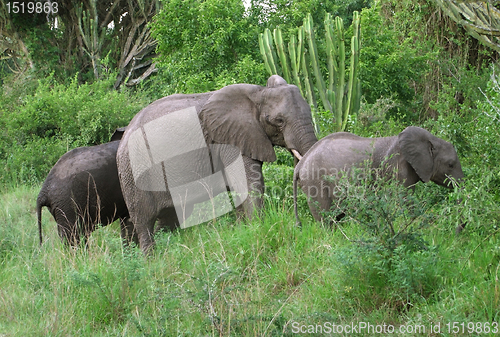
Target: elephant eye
x=279, y=121
x=450, y=165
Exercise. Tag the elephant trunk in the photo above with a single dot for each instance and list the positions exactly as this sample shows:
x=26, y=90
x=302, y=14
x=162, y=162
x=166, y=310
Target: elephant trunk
x=300, y=139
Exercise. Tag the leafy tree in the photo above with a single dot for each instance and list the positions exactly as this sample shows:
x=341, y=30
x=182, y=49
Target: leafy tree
x=389, y=63
x=81, y=37
x=198, y=40
x=289, y=15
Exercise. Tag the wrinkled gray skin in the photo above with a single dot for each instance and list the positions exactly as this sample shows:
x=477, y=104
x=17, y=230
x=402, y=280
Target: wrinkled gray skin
x=415, y=153
x=83, y=190
x=251, y=117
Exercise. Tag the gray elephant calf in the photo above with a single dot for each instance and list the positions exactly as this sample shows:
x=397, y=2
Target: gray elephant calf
x=83, y=190
x=414, y=155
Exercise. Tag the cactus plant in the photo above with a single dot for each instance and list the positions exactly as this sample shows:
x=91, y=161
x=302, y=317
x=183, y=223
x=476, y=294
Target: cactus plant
x=267, y=52
x=313, y=52
x=353, y=92
x=280, y=47
x=295, y=51
x=338, y=97
x=299, y=62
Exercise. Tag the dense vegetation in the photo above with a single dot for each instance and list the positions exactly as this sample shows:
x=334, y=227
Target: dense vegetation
x=265, y=277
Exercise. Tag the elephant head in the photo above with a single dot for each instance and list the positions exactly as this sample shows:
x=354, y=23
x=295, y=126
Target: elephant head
x=431, y=157
x=254, y=118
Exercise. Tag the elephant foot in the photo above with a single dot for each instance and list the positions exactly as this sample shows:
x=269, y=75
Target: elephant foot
x=147, y=248
x=128, y=232
x=146, y=242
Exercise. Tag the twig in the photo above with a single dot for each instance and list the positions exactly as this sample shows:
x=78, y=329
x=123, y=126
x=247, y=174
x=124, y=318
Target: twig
x=284, y=303
x=479, y=245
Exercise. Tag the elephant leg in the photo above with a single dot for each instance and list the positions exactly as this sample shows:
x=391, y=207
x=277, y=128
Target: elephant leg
x=315, y=211
x=167, y=221
x=319, y=199
x=145, y=233
x=128, y=232
x=144, y=227
x=143, y=215
x=67, y=226
x=255, y=185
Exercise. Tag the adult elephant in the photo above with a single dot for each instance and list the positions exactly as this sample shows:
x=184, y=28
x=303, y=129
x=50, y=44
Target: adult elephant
x=414, y=155
x=182, y=139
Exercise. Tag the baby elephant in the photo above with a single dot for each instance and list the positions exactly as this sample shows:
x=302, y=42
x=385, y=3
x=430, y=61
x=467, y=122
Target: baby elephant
x=83, y=190
x=414, y=155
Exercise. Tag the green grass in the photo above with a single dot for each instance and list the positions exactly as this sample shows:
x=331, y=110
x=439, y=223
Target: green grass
x=227, y=278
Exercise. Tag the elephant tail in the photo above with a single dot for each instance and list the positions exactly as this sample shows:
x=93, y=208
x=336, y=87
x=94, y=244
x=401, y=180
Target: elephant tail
x=295, y=178
x=41, y=201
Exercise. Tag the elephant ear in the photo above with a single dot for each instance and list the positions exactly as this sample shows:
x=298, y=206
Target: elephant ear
x=230, y=116
x=118, y=134
x=417, y=148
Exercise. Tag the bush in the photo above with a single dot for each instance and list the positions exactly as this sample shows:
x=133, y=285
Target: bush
x=373, y=120
x=390, y=63
x=388, y=259
x=55, y=118
x=370, y=279
x=473, y=127
x=199, y=41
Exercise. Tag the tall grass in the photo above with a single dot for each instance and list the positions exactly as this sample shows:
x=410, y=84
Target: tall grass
x=228, y=278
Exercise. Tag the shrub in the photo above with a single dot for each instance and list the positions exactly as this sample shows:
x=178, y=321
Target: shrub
x=390, y=63
x=56, y=118
x=388, y=259
x=473, y=128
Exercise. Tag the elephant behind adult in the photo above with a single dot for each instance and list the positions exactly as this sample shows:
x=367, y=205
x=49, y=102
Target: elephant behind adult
x=83, y=190
x=250, y=118
x=414, y=155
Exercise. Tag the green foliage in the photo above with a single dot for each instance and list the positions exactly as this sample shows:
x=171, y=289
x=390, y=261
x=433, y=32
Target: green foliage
x=41, y=126
x=388, y=261
x=373, y=120
x=203, y=45
x=278, y=180
x=246, y=70
x=289, y=15
x=390, y=64
x=368, y=275
x=467, y=118
x=390, y=214
x=199, y=40
x=45, y=53
x=473, y=127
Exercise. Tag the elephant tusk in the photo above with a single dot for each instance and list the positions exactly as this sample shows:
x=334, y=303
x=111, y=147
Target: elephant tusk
x=296, y=154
